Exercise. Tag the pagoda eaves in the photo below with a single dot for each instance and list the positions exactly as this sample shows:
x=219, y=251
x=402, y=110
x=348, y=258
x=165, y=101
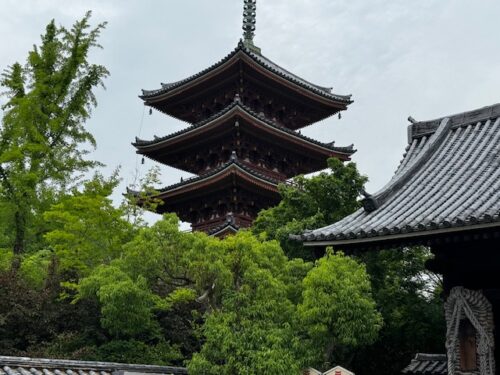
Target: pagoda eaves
x=257, y=80
x=184, y=149
x=233, y=189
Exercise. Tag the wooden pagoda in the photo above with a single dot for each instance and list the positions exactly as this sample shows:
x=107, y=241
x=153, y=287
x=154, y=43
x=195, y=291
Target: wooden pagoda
x=245, y=112
x=445, y=195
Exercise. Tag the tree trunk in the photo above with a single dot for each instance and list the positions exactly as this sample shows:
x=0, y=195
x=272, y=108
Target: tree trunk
x=20, y=226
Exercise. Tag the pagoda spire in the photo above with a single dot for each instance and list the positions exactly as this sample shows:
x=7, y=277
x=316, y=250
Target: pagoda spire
x=249, y=21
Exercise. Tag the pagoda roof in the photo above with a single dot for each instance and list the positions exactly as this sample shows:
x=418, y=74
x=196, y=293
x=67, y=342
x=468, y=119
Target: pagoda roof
x=448, y=183
x=143, y=146
x=242, y=51
x=232, y=165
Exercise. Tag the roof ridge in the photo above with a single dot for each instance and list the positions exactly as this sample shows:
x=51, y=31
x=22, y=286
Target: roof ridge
x=422, y=128
x=427, y=356
x=372, y=202
x=57, y=363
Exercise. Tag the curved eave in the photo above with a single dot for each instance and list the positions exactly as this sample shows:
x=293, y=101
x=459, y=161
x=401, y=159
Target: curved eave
x=260, y=63
x=422, y=237
x=445, y=188
x=231, y=168
x=145, y=147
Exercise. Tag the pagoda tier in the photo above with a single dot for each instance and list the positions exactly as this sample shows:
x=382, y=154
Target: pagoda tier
x=227, y=198
x=262, y=85
x=260, y=143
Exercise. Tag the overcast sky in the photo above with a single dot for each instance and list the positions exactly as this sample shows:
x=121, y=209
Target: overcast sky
x=425, y=58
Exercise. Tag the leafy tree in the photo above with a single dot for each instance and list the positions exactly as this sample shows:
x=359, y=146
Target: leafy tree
x=32, y=316
x=126, y=304
x=338, y=313
x=86, y=230
x=262, y=325
x=42, y=132
x=406, y=294
x=311, y=203
x=251, y=331
x=148, y=293
x=408, y=297
x=34, y=268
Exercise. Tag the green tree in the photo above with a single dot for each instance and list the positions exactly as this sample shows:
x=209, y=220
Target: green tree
x=250, y=332
x=42, y=132
x=86, y=230
x=148, y=294
x=338, y=314
x=310, y=203
x=126, y=304
x=406, y=294
x=408, y=297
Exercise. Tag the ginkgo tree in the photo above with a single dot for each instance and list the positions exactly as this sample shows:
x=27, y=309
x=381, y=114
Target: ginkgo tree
x=43, y=137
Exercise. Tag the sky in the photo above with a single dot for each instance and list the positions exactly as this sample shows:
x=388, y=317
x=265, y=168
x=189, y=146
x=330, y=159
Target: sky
x=426, y=58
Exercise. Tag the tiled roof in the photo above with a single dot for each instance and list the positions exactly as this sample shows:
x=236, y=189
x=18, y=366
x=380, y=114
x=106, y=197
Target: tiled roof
x=427, y=364
x=262, y=61
x=226, y=227
x=220, y=169
x=449, y=180
x=143, y=144
x=32, y=366
x=233, y=162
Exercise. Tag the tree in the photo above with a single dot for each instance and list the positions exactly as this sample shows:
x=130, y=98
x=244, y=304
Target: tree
x=338, y=314
x=408, y=297
x=42, y=133
x=406, y=294
x=85, y=229
x=148, y=294
x=310, y=203
x=280, y=315
x=250, y=332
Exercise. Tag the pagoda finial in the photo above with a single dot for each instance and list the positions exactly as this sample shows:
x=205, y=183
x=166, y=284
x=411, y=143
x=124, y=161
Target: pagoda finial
x=249, y=21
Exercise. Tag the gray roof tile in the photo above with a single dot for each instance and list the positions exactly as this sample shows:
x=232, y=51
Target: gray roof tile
x=427, y=364
x=449, y=178
x=25, y=366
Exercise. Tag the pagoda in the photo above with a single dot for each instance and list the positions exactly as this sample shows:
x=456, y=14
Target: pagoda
x=245, y=113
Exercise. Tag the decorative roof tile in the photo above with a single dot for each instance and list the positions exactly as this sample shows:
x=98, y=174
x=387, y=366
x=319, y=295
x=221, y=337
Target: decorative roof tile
x=34, y=366
x=449, y=180
x=427, y=364
x=262, y=61
x=141, y=144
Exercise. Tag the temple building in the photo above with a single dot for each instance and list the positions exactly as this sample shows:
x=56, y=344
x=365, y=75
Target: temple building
x=445, y=195
x=245, y=113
